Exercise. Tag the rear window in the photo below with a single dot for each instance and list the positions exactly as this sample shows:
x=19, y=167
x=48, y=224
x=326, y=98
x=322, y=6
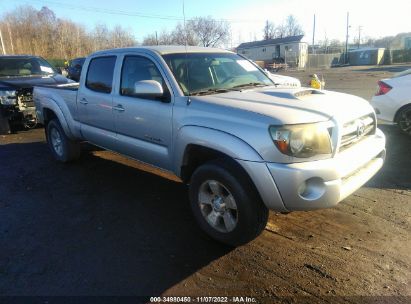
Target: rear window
x=77, y=62
x=100, y=74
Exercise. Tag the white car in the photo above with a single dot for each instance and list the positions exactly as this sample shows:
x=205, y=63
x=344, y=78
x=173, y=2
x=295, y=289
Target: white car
x=284, y=81
x=392, y=102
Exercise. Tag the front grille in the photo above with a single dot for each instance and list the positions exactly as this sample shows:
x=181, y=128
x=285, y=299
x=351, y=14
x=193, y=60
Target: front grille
x=357, y=129
x=25, y=98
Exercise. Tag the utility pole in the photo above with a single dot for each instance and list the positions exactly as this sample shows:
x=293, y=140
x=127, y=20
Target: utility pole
x=346, y=39
x=359, y=36
x=156, y=38
x=2, y=43
x=313, y=36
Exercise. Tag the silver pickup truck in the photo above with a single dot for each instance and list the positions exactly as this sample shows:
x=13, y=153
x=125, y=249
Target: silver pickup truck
x=215, y=119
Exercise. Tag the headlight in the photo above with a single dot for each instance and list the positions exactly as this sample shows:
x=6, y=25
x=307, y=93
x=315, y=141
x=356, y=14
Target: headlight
x=302, y=141
x=8, y=98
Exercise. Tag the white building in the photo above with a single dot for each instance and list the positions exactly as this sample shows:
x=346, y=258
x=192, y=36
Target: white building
x=288, y=50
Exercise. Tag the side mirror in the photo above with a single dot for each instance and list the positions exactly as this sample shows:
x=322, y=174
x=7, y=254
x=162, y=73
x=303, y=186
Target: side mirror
x=149, y=88
x=59, y=71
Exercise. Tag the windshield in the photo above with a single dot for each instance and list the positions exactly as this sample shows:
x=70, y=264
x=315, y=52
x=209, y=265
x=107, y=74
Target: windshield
x=209, y=73
x=25, y=66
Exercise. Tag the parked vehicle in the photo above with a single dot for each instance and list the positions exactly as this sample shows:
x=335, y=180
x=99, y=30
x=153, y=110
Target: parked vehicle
x=18, y=74
x=392, y=102
x=74, y=68
x=220, y=124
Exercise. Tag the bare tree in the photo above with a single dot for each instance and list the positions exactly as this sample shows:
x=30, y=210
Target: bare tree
x=184, y=35
x=292, y=27
x=40, y=32
x=203, y=31
x=269, y=30
x=280, y=31
x=210, y=32
x=120, y=37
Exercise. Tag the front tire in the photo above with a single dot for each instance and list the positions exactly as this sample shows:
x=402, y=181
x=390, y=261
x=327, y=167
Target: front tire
x=404, y=120
x=225, y=203
x=63, y=148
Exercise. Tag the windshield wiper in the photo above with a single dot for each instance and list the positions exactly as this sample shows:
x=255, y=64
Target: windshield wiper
x=251, y=84
x=210, y=91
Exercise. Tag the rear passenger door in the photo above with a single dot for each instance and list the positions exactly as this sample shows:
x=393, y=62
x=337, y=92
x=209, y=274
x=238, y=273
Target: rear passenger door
x=95, y=102
x=143, y=124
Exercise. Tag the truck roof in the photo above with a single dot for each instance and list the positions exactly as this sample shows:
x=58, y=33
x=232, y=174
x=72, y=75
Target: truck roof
x=165, y=49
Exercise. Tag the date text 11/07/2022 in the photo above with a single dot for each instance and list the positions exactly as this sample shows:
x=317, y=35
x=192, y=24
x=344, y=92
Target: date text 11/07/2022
x=170, y=299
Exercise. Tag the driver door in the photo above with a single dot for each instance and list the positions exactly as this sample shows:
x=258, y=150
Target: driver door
x=143, y=124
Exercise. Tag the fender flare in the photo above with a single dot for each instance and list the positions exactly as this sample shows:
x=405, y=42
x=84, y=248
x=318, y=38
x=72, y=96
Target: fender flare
x=214, y=139
x=52, y=105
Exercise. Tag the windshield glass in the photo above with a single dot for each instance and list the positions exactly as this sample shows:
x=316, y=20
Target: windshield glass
x=208, y=73
x=25, y=66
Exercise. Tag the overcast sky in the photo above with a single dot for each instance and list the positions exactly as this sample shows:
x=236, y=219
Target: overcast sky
x=247, y=18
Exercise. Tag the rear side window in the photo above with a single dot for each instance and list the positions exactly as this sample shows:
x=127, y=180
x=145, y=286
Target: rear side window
x=100, y=74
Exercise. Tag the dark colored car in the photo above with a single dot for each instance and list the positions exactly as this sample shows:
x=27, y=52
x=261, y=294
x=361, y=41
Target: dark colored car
x=18, y=75
x=74, y=68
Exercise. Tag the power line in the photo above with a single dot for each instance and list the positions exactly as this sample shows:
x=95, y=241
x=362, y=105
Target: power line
x=131, y=14
x=109, y=11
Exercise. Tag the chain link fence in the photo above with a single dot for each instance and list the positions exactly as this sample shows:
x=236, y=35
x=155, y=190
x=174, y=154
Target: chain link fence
x=324, y=61
x=296, y=61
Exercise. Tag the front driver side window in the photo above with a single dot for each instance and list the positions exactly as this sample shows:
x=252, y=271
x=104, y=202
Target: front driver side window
x=136, y=68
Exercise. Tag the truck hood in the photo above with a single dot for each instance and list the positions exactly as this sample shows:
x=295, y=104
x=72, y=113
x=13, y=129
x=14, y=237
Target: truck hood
x=284, y=81
x=30, y=81
x=293, y=106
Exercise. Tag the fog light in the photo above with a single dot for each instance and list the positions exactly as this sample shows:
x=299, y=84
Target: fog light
x=312, y=189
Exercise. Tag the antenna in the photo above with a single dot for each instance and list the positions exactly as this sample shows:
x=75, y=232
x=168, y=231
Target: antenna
x=186, y=64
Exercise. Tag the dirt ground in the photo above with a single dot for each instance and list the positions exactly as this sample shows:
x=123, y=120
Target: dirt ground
x=101, y=226
x=357, y=80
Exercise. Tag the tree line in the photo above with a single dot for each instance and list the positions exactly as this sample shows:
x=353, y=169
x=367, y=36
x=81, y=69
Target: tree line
x=26, y=30
x=202, y=31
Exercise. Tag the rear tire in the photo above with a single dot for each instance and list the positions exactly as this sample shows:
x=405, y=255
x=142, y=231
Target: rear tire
x=225, y=203
x=4, y=124
x=404, y=120
x=63, y=148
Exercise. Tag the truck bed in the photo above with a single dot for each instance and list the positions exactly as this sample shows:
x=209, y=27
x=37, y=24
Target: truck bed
x=63, y=95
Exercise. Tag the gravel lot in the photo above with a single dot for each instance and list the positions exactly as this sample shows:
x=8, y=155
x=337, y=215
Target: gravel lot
x=106, y=225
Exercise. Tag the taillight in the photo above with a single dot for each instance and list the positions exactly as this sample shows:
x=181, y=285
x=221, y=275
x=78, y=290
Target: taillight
x=383, y=88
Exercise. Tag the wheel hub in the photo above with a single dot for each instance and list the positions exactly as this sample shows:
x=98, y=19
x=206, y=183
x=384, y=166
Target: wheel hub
x=218, y=204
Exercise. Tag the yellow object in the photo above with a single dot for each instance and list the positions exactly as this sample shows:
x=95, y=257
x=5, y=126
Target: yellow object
x=316, y=83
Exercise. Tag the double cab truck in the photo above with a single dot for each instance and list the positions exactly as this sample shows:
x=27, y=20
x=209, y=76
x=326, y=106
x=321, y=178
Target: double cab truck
x=219, y=123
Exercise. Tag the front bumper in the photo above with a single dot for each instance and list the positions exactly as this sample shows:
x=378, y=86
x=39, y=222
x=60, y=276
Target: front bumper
x=324, y=183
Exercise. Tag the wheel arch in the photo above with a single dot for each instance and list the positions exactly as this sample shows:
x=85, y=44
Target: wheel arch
x=399, y=111
x=52, y=111
x=195, y=145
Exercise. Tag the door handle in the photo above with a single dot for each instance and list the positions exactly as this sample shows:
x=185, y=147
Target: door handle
x=83, y=101
x=119, y=108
